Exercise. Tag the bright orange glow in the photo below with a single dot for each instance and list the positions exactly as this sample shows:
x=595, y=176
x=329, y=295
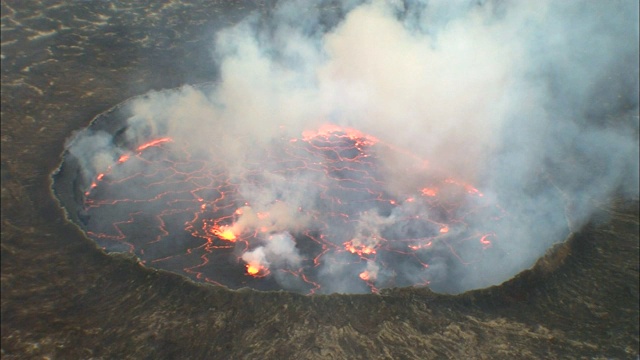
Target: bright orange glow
x=224, y=233
x=365, y=275
x=358, y=249
x=257, y=270
x=329, y=129
x=253, y=269
x=428, y=192
x=100, y=177
x=153, y=143
x=444, y=229
x=124, y=158
x=228, y=235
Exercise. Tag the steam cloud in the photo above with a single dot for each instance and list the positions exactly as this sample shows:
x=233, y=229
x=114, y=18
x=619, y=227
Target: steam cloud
x=536, y=103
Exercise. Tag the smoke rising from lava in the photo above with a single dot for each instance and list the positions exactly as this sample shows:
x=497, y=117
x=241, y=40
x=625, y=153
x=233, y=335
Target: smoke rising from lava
x=535, y=103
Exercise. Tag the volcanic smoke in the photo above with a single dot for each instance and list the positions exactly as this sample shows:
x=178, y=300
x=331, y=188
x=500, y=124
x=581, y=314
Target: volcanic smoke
x=353, y=147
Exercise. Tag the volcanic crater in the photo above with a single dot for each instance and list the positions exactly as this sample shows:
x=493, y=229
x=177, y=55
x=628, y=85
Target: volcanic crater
x=341, y=230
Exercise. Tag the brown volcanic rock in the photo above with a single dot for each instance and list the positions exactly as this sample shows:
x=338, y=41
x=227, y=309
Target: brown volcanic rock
x=63, y=298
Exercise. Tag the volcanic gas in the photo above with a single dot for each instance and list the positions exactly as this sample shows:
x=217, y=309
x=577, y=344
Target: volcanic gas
x=380, y=144
x=179, y=211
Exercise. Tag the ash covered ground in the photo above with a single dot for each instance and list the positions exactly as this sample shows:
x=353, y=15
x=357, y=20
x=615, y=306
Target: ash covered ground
x=62, y=297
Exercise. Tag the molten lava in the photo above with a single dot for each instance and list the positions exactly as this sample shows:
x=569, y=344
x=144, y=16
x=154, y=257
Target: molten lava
x=359, y=249
x=365, y=275
x=155, y=142
x=184, y=213
x=257, y=270
x=224, y=233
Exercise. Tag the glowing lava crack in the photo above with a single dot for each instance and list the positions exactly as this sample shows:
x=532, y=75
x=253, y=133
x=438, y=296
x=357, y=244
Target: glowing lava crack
x=330, y=224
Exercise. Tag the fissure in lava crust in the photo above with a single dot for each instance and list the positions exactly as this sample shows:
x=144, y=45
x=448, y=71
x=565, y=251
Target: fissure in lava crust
x=340, y=230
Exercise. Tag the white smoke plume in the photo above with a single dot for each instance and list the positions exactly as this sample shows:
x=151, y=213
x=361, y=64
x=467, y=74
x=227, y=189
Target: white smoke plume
x=278, y=252
x=534, y=102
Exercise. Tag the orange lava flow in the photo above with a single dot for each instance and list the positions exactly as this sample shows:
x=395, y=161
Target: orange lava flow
x=153, y=143
x=191, y=216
